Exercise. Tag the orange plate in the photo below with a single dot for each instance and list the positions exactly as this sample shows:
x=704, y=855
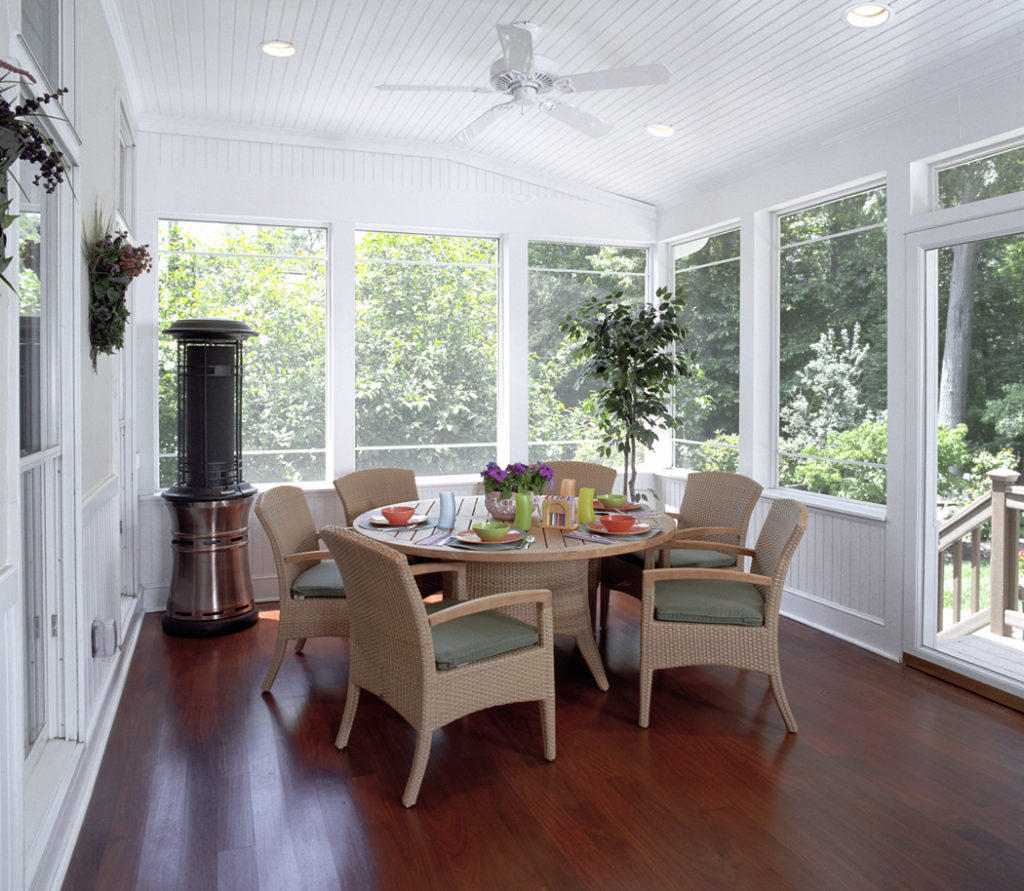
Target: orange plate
x=470, y=537
x=635, y=529
x=414, y=520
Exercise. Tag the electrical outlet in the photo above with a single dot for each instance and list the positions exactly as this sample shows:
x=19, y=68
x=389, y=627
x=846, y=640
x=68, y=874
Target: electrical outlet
x=104, y=638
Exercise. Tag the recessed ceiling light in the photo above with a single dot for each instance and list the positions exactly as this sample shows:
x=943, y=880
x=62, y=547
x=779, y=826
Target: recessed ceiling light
x=867, y=15
x=662, y=130
x=279, y=48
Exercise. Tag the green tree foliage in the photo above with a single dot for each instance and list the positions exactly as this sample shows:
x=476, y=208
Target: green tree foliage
x=426, y=351
x=563, y=276
x=708, y=273
x=273, y=279
x=635, y=352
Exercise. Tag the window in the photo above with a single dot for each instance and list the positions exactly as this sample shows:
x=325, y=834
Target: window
x=707, y=271
x=273, y=278
x=426, y=344
x=561, y=277
x=999, y=173
x=832, y=347
x=125, y=171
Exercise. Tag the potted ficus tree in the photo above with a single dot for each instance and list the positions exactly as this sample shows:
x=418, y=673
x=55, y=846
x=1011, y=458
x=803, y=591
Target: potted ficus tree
x=634, y=354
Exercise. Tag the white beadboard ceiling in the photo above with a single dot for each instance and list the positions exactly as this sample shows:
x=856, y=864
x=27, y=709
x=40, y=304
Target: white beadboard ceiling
x=748, y=77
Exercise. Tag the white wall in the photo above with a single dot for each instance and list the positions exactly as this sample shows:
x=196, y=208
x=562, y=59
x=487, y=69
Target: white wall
x=857, y=573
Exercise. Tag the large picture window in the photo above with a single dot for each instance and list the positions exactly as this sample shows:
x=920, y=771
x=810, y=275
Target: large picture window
x=707, y=271
x=273, y=278
x=832, y=347
x=426, y=344
x=561, y=277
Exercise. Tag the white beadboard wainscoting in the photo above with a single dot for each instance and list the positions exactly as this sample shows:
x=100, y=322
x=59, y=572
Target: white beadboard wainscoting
x=837, y=581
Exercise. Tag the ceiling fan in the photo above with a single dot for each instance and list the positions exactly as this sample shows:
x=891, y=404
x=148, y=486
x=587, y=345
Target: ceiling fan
x=531, y=80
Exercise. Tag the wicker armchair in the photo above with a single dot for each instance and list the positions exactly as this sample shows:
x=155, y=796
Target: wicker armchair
x=434, y=663
x=716, y=507
x=595, y=476
x=363, y=490
x=309, y=584
x=716, y=616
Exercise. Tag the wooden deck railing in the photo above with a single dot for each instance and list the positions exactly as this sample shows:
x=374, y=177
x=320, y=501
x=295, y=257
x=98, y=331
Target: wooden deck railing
x=1001, y=507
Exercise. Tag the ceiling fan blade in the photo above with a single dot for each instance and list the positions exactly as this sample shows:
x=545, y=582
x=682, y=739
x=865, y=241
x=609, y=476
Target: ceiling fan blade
x=482, y=123
x=439, y=88
x=582, y=120
x=610, y=78
x=516, y=48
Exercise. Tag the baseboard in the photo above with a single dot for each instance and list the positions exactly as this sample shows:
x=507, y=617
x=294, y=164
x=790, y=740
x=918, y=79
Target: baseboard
x=1010, y=700
x=64, y=835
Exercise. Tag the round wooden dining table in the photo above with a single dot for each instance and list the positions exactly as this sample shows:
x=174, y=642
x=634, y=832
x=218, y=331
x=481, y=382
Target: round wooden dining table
x=547, y=557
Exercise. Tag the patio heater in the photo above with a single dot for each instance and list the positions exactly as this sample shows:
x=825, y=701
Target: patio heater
x=211, y=585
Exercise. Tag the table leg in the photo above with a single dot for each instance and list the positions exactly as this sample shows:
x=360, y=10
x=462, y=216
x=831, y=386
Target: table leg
x=568, y=581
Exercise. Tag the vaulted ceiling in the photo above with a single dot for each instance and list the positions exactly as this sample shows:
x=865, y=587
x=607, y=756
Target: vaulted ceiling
x=749, y=78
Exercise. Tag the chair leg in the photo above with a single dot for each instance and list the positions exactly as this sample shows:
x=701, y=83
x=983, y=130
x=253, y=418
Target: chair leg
x=547, y=726
x=348, y=717
x=605, y=597
x=782, y=702
x=275, y=662
x=299, y=644
x=646, y=677
x=419, y=767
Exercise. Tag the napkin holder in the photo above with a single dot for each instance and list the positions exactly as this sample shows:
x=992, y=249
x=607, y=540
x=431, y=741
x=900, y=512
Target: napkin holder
x=557, y=512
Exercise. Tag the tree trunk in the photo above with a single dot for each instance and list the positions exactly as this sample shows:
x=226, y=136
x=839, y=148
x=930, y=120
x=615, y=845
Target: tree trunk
x=956, y=352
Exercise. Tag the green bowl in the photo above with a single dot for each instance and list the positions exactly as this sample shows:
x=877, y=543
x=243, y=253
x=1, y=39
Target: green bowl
x=491, y=531
x=612, y=501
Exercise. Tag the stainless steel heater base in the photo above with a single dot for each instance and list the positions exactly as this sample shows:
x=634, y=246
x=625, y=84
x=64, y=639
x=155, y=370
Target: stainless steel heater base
x=211, y=586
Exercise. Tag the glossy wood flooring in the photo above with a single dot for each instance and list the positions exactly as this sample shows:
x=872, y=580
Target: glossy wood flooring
x=895, y=780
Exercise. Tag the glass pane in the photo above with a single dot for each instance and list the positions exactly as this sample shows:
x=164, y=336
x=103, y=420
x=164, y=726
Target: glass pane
x=707, y=403
x=33, y=586
x=30, y=331
x=980, y=427
x=426, y=352
x=702, y=251
x=863, y=209
x=832, y=349
x=273, y=278
x=998, y=174
x=562, y=276
x=40, y=26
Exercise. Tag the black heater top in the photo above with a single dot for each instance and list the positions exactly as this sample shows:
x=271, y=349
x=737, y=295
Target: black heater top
x=209, y=409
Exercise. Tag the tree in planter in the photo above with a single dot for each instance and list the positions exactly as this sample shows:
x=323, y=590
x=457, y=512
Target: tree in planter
x=634, y=353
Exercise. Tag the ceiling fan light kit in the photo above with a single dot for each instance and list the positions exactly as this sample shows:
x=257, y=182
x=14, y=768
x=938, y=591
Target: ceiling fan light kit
x=527, y=80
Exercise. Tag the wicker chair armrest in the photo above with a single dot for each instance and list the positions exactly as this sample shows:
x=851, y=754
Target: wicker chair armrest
x=682, y=540
x=428, y=568
x=306, y=556
x=540, y=596
x=705, y=531
x=706, y=573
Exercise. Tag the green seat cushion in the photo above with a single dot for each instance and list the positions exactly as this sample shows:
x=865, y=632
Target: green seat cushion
x=710, y=602
x=686, y=557
x=475, y=637
x=321, y=580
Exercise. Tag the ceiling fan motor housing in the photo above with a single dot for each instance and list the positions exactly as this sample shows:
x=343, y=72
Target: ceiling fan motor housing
x=539, y=81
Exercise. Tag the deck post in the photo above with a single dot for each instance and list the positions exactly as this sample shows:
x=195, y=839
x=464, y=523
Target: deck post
x=1004, y=552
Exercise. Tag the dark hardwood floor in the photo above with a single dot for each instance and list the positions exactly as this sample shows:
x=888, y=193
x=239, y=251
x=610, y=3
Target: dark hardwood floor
x=895, y=780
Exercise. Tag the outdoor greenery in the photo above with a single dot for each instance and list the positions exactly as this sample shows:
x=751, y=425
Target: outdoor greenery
x=273, y=278
x=563, y=411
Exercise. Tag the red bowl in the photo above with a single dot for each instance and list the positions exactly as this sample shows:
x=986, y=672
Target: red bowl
x=617, y=522
x=398, y=514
